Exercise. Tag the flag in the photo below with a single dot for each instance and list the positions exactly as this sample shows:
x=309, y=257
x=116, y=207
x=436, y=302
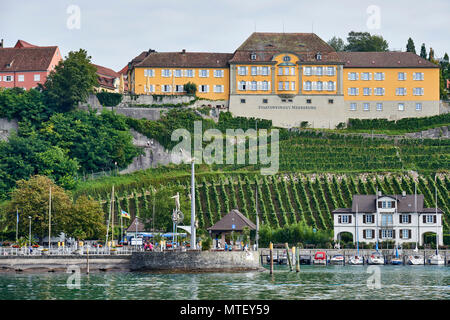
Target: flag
x=124, y=214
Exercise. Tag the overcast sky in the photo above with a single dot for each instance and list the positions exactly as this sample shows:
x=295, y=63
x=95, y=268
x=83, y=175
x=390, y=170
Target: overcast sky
x=115, y=31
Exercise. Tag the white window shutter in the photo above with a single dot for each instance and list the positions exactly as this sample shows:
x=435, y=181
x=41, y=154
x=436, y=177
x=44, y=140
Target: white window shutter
x=370, y=75
x=348, y=76
x=405, y=74
x=334, y=85
x=357, y=91
x=207, y=73
x=314, y=85
x=404, y=91
x=349, y=91
x=414, y=76
x=357, y=75
x=162, y=72
x=170, y=73
x=370, y=91
x=383, y=76
x=334, y=71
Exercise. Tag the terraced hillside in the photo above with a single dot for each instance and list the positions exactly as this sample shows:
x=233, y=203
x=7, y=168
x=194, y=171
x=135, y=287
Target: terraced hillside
x=285, y=198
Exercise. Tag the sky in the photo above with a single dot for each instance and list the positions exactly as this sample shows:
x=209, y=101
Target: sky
x=115, y=31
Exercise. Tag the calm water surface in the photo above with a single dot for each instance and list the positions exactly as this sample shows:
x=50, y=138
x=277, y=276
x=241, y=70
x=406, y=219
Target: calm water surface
x=313, y=282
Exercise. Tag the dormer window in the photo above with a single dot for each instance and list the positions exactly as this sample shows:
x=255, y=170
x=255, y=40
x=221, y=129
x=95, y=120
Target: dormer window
x=318, y=56
x=286, y=58
x=386, y=204
x=253, y=56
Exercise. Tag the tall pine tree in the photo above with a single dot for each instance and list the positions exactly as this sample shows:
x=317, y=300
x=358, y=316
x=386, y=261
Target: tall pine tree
x=423, y=51
x=410, y=47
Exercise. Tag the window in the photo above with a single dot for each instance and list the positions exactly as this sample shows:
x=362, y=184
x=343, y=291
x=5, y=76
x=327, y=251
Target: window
x=21, y=78
x=308, y=86
x=405, y=234
x=330, y=86
x=292, y=85
x=286, y=71
x=379, y=91
x=254, y=71
x=253, y=56
x=190, y=73
x=242, y=71
x=280, y=71
x=292, y=71
x=218, y=88
x=387, y=233
x=405, y=218
x=319, y=86
x=386, y=219
x=204, y=73
x=8, y=78
x=165, y=73
x=379, y=106
x=401, y=107
x=418, y=76
x=283, y=100
x=308, y=101
x=265, y=100
x=166, y=88
x=307, y=71
x=418, y=106
x=368, y=218
x=386, y=204
x=37, y=77
x=330, y=71
x=218, y=73
x=178, y=73
x=318, y=56
x=400, y=91
x=280, y=85
x=366, y=106
x=179, y=88
x=265, y=71
x=369, y=234
x=253, y=86
x=242, y=86
x=353, y=106
x=418, y=91
x=366, y=76
x=353, y=76
x=429, y=218
x=149, y=72
x=345, y=218
x=286, y=58
x=265, y=86
x=353, y=91
x=330, y=101
x=319, y=71
x=367, y=91
x=379, y=76
x=289, y=100
x=286, y=85
x=402, y=76
x=242, y=100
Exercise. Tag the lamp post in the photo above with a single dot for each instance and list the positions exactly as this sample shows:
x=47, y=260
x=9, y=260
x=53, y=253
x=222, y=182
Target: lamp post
x=193, y=235
x=29, y=237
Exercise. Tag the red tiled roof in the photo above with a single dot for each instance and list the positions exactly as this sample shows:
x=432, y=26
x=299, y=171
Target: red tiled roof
x=103, y=71
x=236, y=218
x=124, y=70
x=186, y=60
x=26, y=59
x=266, y=45
x=24, y=44
x=388, y=59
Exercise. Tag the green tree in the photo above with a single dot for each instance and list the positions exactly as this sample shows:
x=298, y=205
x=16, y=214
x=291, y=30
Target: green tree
x=71, y=82
x=190, y=88
x=431, y=55
x=423, y=51
x=364, y=42
x=87, y=219
x=410, y=46
x=337, y=43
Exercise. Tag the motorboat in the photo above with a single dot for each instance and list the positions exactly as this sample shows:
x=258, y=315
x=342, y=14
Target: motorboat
x=320, y=258
x=337, y=259
x=375, y=258
x=436, y=259
x=278, y=259
x=356, y=260
x=415, y=260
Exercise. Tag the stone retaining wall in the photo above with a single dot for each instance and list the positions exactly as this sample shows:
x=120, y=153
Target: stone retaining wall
x=195, y=261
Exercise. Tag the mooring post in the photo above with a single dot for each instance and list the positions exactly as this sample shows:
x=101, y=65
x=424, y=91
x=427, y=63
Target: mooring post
x=288, y=255
x=271, y=257
x=297, y=260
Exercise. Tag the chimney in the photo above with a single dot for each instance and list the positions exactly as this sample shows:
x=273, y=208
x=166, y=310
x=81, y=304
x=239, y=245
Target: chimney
x=403, y=194
x=1, y=44
x=183, y=51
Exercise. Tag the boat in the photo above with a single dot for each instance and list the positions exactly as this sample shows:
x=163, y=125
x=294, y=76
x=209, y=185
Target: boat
x=436, y=259
x=396, y=260
x=356, y=260
x=415, y=260
x=337, y=259
x=375, y=258
x=320, y=258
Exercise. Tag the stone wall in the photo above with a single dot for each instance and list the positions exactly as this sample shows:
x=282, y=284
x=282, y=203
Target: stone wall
x=6, y=126
x=195, y=261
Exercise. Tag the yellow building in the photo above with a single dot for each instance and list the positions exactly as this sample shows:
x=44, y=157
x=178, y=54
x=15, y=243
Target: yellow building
x=166, y=73
x=291, y=78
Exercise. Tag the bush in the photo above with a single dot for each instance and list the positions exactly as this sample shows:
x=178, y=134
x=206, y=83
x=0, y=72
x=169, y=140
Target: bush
x=190, y=88
x=109, y=99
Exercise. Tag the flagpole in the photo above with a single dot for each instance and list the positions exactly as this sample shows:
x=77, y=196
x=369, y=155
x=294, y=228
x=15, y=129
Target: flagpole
x=49, y=217
x=17, y=225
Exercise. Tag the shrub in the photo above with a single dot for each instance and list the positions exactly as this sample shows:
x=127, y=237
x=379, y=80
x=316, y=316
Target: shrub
x=109, y=99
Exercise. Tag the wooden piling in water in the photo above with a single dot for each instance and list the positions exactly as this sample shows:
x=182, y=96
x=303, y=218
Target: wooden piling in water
x=271, y=257
x=288, y=255
x=297, y=260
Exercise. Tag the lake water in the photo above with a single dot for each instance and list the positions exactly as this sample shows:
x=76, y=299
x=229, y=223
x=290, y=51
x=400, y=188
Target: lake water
x=312, y=282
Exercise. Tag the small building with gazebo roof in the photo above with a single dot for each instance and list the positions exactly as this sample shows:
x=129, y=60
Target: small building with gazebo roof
x=233, y=221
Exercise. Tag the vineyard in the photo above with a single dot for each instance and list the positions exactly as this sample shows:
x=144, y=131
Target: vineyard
x=285, y=198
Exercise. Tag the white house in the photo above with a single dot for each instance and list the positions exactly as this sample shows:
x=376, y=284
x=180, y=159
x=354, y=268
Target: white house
x=400, y=218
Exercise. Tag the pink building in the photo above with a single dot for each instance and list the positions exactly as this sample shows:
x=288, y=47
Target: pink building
x=26, y=65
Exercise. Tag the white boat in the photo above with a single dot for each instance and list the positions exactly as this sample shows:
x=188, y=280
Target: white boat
x=320, y=258
x=356, y=260
x=396, y=260
x=436, y=259
x=337, y=259
x=375, y=258
x=415, y=260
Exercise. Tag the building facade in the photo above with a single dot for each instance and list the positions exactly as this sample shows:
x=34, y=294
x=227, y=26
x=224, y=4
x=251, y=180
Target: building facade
x=292, y=78
x=399, y=218
x=26, y=65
